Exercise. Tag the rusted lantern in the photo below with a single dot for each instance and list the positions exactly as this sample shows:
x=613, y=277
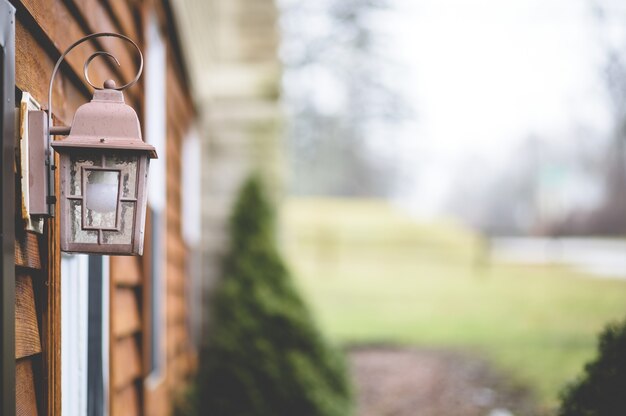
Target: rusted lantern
x=103, y=172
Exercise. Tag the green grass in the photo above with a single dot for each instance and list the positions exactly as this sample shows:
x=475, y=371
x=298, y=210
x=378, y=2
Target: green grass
x=373, y=275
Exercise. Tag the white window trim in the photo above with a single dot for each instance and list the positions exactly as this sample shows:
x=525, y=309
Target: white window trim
x=156, y=133
x=75, y=333
x=191, y=218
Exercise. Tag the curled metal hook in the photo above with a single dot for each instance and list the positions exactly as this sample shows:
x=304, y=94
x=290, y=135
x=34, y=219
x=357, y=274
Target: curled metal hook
x=50, y=158
x=91, y=58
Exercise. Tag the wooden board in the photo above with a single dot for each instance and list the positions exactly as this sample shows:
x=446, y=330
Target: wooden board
x=59, y=24
x=35, y=68
x=175, y=279
x=124, y=14
x=125, y=270
x=26, y=401
x=126, y=366
x=176, y=250
x=27, y=341
x=125, y=312
x=51, y=319
x=27, y=251
x=126, y=402
x=176, y=309
x=176, y=340
x=157, y=401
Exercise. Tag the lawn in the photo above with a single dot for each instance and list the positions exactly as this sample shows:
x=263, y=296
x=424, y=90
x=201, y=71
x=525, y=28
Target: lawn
x=374, y=275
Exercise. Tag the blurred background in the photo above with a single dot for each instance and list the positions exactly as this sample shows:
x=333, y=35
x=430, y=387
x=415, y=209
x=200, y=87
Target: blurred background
x=456, y=205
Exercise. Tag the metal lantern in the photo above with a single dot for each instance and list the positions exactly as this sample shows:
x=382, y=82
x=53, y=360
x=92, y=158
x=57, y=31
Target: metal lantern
x=103, y=167
x=104, y=171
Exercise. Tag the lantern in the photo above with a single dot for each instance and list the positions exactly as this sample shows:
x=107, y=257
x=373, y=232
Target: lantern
x=104, y=171
x=103, y=167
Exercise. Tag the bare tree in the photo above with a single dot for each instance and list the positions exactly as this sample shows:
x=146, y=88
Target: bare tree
x=337, y=94
x=610, y=218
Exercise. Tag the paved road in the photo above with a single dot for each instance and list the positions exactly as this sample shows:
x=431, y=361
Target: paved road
x=597, y=256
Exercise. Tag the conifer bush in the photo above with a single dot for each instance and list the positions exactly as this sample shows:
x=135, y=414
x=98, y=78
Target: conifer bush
x=601, y=391
x=264, y=355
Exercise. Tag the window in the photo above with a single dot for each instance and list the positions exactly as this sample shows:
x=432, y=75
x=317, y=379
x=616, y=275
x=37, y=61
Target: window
x=84, y=334
x=98, y=336
x=191, y=229
x=155, y=125
x=191, y=173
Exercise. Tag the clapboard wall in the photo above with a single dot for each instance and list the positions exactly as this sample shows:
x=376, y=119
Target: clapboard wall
x=44, y=29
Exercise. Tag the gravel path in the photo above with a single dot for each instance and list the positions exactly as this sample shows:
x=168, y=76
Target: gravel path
x=416, y=382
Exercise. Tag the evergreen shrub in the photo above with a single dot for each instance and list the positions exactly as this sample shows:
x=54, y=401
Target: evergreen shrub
x=601, y=390
x=264, y=354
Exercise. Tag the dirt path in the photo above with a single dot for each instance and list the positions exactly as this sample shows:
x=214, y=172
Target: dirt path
x=415, y=382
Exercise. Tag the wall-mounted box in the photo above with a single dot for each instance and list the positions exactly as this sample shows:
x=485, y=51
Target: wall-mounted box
x=33, y=171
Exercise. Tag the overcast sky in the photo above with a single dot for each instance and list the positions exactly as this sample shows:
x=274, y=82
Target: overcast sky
x=483, y=75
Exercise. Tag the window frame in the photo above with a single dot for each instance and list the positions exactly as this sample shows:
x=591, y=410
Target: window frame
x=155, y=122
x=85, y=334
x=98, y=336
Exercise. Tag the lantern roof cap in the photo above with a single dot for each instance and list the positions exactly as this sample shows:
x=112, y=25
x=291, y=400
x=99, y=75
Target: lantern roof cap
x=106, y=122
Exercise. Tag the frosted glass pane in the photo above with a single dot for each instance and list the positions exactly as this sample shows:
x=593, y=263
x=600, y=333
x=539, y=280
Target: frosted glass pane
x=102, y=188
x=128, y=165
x=77, y=234
x=101, y=198
x=77, y=161
x=124, y=236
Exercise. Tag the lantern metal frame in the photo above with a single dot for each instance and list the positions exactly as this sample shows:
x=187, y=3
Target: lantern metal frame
x=107, y=106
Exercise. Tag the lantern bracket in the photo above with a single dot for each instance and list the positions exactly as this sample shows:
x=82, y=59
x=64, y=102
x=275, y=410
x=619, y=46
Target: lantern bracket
x=50, y=130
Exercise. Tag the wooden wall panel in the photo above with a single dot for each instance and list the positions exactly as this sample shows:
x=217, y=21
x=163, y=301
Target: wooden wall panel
x=177, y=309
x=177, y=283
x=50, y=298
x=126, y=366
x=157, y=402
x=124, y=13
x=124, y=313
x=27, y=341
x=60, y=25
x=34, y=69
x=25, y=397
x=125, y=270
x=27, y=249
x=127, y=402
x=98, y=19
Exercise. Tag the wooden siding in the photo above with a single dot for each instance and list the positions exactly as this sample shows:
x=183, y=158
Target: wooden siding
x=28, y=348
x=44, y=29
x=27, y=340
x=126, y=346
x=26, y=399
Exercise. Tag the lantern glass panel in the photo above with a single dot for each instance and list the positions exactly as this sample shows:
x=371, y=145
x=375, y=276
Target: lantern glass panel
x=101, y=198
x=77, y=234
x=78, y=161
x=125, y=234
x=127, y=164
